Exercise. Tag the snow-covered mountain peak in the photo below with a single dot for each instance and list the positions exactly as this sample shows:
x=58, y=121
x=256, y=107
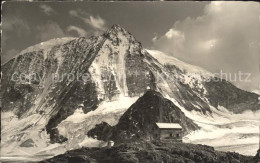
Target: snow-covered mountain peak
x=47, y=44
x=185, y=67
x=118, y=34
x=117, y=28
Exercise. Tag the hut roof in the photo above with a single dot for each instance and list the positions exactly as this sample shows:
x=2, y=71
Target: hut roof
x=169, y=125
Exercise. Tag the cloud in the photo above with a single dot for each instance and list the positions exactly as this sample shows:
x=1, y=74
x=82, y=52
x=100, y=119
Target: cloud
x=172, y=33
x=73, y=13
x=95, y=22
x=16, y=24
x=12, y=26
x=81, y=32
x=154, y=39
x=9, y=55
x=49, y=31
x=224, y=38
x=16, y=30
x=171, y=42
x=47, y=9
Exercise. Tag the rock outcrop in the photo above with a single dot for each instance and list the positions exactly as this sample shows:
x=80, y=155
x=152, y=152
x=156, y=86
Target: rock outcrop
x=138, y=122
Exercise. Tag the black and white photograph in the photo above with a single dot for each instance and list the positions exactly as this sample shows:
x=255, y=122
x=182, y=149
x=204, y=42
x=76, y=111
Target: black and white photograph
x=130, y=82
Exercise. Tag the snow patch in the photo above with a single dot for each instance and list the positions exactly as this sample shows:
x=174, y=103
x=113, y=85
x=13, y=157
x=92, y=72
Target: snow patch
x=47, y=44
x=224, y=130
x=166, y=59
x=105, y=107
x=76, y=126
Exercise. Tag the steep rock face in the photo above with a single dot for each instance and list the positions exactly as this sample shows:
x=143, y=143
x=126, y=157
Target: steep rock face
x=112, y=73
x=196, y=89
x=52, y=98
x=139, y=120
x=190, y=96
x=119, y=65
x=57, y=78
x=223, y=93
x=172, y=82
x=60, y=61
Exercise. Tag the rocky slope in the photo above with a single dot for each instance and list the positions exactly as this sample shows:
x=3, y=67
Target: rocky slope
x=142, y=151
x=203, y=88
x=101, y=66
x=139, y=120
x=51, y=101
x=225, y=94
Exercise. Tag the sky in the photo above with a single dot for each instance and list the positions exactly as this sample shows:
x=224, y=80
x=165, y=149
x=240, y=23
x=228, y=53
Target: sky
x=218, y=36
